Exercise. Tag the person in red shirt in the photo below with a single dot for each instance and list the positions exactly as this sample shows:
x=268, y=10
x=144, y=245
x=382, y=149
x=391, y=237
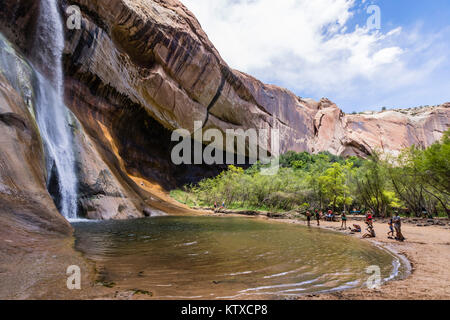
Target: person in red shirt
x=330, y=215
x=369, y=218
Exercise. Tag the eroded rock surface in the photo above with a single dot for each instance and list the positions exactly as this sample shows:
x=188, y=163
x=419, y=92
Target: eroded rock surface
x=134, y=72
x=137, y=70
x=154, y=55
x=386, y=132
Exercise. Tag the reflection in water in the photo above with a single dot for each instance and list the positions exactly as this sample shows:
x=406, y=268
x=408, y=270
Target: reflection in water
x=211, y=257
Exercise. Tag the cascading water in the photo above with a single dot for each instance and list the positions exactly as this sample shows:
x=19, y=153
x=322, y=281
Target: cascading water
x=51, y=113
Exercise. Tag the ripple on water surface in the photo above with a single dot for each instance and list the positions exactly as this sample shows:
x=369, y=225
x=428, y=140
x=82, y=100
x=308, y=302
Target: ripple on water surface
x=211, y=257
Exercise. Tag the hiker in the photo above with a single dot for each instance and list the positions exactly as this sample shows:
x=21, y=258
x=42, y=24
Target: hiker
x=391, y=229
x=223, y=205
x=398, y=228
x=344, y=220
x=317, y=216
x=308, y=218
x=370, y=232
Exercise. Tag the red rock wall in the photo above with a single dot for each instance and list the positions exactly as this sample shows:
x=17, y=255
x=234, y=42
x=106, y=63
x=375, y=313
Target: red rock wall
x=151, y=63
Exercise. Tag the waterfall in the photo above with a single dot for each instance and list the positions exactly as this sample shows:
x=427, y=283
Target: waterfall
x=52, y=116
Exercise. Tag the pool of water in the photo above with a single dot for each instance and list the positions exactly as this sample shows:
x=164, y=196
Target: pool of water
x=227, y=258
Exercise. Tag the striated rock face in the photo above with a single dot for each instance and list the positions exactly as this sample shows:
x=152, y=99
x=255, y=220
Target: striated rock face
x=24, y=200
x=32, y=231
x=153, y=56
x=386, y=132
x=101, y=194
x=134, y=72
x=137, y=70
x=23, y=171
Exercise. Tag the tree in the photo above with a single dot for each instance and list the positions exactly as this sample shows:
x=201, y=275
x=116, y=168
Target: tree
x=372, y=186
x=297, y=160
x=316, y=184
x=417, y=179
x=407, y=180
x=334, y=186
x=434, y=163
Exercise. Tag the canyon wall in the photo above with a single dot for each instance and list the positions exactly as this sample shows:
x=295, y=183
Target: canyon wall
x=137, y=70
x=149, y=64
x=153, y=58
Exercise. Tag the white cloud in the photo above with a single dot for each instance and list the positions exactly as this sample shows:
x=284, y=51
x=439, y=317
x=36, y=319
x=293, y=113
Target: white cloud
x=307, y=47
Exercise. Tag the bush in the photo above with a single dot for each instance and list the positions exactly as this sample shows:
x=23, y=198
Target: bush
x=419, y=179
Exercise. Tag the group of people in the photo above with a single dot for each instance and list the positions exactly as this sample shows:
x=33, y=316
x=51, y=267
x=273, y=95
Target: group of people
x=217, y=207
x=395, y=223
x=329, y=216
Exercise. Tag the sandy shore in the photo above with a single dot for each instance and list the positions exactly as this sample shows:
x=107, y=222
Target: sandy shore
x=39, y=273
x=427, y=249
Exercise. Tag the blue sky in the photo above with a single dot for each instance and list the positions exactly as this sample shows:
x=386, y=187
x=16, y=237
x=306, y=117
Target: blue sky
x=323, y=48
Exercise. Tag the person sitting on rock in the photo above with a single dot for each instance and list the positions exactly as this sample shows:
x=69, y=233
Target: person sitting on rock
x=370, y=232
x=330, y=215
x=356, y=228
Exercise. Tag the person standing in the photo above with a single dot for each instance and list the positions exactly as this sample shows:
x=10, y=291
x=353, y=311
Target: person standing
x=398, y=228
x=344, y=220
x=308, y=218
x=391, y=228
x=317, y=216
x=369, y=218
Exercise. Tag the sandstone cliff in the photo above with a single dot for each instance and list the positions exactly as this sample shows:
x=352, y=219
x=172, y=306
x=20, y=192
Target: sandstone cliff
x=135, y=62
x=388, y=132
x=134, y=72
x=154, y=55
x=137, y=70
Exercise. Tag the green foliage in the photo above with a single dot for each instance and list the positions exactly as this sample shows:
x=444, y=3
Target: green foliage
x=420, y=178
x=417, y=180
x=335, y=186
x=184, y=197
x=371, y=180
x=435, y=163
x=296, y=160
